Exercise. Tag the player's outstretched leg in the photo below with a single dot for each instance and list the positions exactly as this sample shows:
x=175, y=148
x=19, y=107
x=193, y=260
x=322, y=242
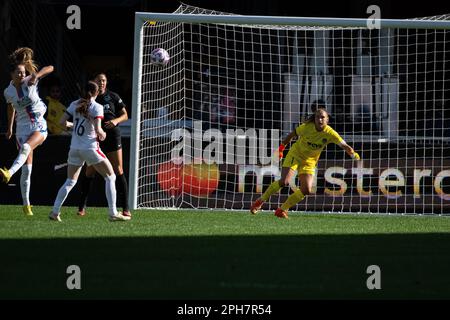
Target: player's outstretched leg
x=272, y=189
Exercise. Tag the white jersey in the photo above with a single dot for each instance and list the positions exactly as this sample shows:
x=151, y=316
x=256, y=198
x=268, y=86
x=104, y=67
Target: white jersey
x=84, y=136
x=29, y=107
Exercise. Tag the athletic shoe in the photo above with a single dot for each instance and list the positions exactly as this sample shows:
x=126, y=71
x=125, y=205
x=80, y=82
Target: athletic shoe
x=81, y=212
x=280, y=213
x=119, y=217
x=54, y=217
x=256, y=206
x=27, y=210
x=6, y=176
x=126, y=213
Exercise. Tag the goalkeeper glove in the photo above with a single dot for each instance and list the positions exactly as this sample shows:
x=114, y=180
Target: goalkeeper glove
x=355, y=156
x=280, y=151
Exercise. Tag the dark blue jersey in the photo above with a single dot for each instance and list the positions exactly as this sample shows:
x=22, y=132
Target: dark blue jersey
x=112, y=105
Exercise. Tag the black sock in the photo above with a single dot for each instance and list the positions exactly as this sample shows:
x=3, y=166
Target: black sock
x=122, y=191
x=86, y=188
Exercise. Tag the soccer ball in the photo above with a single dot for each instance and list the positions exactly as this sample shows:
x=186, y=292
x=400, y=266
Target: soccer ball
x=159, y=57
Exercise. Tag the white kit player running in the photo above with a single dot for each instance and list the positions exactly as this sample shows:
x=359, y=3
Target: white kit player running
x=25, y=105
x=84, y=147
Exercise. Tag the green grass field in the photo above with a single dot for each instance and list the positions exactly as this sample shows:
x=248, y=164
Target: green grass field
x=222, y=255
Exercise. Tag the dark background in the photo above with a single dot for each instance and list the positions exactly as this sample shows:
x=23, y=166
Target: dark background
x=113, y=24
x=105, y=40
x=105, y=43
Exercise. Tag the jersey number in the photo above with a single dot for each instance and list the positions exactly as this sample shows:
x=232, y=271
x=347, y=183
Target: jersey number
x=79, y=129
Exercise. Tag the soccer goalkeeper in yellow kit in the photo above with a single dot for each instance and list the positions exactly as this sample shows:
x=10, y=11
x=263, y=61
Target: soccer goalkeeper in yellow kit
x=313, y=135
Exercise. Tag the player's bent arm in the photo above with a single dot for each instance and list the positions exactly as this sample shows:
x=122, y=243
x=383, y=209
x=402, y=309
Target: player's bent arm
x=285, y=142
x=40, y=74
x=288, y=139
x=44, y=72
x=122, y=118
x=349, y=150
x=11, y=113
x=63, y=121
x=98, y=129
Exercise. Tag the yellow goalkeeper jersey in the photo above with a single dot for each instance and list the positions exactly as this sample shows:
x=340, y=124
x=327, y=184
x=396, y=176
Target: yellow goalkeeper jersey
x=311, y=142
x=55, y=111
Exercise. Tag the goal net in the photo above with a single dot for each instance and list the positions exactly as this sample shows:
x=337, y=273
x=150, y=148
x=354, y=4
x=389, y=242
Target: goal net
x=206, y=125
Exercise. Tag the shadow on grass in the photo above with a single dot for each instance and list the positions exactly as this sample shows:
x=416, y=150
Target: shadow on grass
x=413, y=266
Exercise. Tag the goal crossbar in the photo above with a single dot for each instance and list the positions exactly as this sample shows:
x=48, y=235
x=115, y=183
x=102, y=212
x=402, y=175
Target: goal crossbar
x=292, y=21
x=204, y=126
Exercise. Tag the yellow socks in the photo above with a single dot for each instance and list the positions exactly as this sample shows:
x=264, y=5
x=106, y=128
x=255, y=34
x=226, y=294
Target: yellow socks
x=292, y=200
x=273, y=188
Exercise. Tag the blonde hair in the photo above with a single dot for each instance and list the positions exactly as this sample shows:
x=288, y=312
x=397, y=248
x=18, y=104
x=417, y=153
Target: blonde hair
x=23, y=56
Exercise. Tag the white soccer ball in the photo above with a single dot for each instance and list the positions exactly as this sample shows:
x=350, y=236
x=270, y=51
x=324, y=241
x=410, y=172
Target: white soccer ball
x=159, y=57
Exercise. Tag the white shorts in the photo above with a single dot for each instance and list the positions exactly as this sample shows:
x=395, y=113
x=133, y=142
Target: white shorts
x=23, y=132
x=77, y=157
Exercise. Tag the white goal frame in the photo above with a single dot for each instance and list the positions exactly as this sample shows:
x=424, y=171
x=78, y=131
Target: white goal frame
x=142, y=17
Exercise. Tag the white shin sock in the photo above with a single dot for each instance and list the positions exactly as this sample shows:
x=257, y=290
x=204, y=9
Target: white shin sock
x=25, y=183
x=110, y=190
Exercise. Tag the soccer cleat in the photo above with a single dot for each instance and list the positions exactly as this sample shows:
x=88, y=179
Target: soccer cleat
x=119, y=217
x=81, y=212
x=6, y=176
x=54, y=217
x=126, y=213
x=256, y=206
x=27, y=210
x=280, y=213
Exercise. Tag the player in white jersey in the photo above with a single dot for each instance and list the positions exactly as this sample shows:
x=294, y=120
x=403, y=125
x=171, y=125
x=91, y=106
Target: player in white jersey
x=25, y=105
x=84, y=147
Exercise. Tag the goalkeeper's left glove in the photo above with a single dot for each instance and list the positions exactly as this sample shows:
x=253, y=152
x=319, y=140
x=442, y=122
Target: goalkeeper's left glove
x=355, y=156
x=280, y=151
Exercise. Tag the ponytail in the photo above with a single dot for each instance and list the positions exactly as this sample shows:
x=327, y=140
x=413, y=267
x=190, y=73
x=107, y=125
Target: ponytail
x=312, y=117
x=89, y=91
x=83, y=105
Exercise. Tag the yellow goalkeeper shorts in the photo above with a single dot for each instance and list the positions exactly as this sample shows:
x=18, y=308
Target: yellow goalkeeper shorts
x=300, y=165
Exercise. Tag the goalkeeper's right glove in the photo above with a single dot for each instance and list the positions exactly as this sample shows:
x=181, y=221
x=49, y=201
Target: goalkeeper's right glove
x=280, y=151
x=355, y=156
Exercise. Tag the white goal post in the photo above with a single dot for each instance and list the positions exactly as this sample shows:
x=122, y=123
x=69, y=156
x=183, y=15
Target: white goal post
x=206, y=125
